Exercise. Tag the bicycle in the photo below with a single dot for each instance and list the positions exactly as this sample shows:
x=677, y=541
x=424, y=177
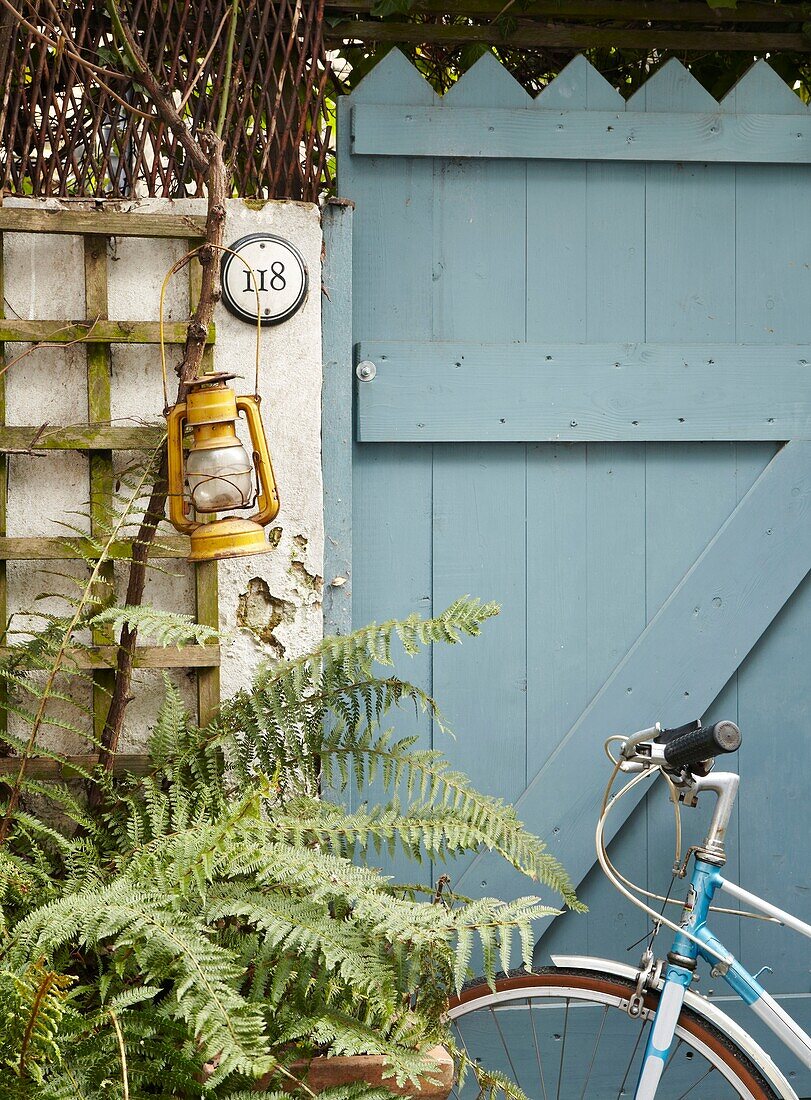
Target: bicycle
x=575, y=1030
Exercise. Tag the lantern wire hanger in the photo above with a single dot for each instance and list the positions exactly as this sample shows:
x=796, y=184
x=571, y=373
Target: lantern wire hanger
x=173, y=270
x=215, y=473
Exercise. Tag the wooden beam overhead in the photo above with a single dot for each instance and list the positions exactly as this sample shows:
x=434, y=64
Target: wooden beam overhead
x=576, y=36
x=614, y=10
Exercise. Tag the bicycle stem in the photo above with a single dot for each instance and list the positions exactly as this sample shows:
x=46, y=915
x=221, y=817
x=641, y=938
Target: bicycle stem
x=725, y=786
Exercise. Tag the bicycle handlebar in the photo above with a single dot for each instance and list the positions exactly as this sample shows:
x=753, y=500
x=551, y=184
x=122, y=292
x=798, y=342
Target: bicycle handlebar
x=689, y=745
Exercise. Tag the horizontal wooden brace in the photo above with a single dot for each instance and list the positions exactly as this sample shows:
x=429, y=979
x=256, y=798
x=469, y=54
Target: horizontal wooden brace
x=621, y=11
x=543, y=134
x=105, y=656
x=42, y=767
x=95, y=332
x=56, y=549
x=579, y=36
x=106, y=223
x=431, y=392
x=80, y=437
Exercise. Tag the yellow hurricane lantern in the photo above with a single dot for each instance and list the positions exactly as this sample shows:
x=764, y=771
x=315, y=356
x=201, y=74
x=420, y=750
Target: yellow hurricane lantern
x=209, y=469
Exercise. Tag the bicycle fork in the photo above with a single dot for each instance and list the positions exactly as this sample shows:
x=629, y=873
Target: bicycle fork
x=678, y=976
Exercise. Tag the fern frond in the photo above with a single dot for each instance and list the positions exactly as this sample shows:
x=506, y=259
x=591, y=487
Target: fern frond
x=164, y=627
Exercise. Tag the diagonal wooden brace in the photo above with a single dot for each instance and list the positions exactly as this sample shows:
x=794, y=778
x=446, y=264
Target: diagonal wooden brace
x=675, y=669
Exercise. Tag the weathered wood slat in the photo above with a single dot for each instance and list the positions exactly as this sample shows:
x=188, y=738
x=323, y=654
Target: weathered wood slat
x=45, y=769
x=618, y=10
x=583, y=392
x=104, y=657
x=569, y=36
x=80, y=437
x=383, y=129
x=105, y=223
x=93, y=331
x=102, y=481
x=56, y=549
x=206, y=573
x=676, y=668
x=3, y=484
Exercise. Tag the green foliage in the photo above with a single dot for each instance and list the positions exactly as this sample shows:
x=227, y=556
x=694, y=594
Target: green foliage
x=391, y=7
x=220, y=918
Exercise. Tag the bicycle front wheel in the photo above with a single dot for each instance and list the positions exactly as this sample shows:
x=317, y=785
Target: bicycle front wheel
x=566, y=1035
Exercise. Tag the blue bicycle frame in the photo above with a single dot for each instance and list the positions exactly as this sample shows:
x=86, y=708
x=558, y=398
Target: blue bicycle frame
x=696, y=940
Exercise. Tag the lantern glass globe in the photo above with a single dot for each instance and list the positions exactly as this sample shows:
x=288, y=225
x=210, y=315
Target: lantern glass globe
x=219, y=478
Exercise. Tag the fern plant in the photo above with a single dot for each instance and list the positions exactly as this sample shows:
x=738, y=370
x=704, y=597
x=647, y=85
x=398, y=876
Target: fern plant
x=220, y=920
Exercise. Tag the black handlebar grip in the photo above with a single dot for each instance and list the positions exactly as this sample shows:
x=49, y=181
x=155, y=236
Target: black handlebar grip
x=702, y=743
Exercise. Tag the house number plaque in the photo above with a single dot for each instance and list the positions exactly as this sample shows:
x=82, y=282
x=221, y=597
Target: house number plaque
x=280, y=274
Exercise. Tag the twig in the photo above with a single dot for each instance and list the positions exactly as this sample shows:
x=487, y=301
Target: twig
x=50, y=344
x=163, y=103
x=88, y=66
x=204, y=62
x=229, y=61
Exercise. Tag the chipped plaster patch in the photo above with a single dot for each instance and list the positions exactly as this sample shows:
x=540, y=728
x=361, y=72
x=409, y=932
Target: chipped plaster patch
x=306, y=582
x=261, y=612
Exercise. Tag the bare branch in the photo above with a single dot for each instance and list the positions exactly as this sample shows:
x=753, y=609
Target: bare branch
x=154, y=89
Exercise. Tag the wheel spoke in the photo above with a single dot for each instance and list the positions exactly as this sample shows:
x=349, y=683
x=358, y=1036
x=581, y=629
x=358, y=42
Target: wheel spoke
x=470, y=1060
x=631, y=1059
x=506, y=1049
x=537, y=1048
x=695, y=1084
x=594, y=1053
x=563, y=1047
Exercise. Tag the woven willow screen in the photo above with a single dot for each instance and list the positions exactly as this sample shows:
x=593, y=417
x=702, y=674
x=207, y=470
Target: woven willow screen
x=62, y=134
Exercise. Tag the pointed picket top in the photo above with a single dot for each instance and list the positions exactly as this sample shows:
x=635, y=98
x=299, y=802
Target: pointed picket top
x=672, y=88
x=394, y=80
x=579, y=85
x=487, y=84
x=761, y=91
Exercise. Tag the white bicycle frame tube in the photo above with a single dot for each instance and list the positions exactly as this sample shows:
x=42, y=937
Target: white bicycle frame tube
x=705, y=881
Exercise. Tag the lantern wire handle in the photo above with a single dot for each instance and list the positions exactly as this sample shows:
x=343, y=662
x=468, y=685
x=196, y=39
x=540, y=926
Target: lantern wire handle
x=173, y=270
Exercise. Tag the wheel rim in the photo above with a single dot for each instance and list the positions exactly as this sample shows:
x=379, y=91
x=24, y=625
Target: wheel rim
x=568, y=1037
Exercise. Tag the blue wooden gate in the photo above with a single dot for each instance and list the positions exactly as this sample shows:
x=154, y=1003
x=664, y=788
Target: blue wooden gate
x=591, y=327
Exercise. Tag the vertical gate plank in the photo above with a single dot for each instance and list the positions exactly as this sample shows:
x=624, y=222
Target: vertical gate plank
x=690, y=489
x=392, y=292
x=480, y=492
x=598, y=562
x=616, y=501
x=773, y=289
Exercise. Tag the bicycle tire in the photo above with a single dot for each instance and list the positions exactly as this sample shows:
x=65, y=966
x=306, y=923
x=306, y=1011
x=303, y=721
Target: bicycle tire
x=537, y=1008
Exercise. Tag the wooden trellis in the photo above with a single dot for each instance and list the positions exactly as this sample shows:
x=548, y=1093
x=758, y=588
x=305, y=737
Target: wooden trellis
x=99, y=439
